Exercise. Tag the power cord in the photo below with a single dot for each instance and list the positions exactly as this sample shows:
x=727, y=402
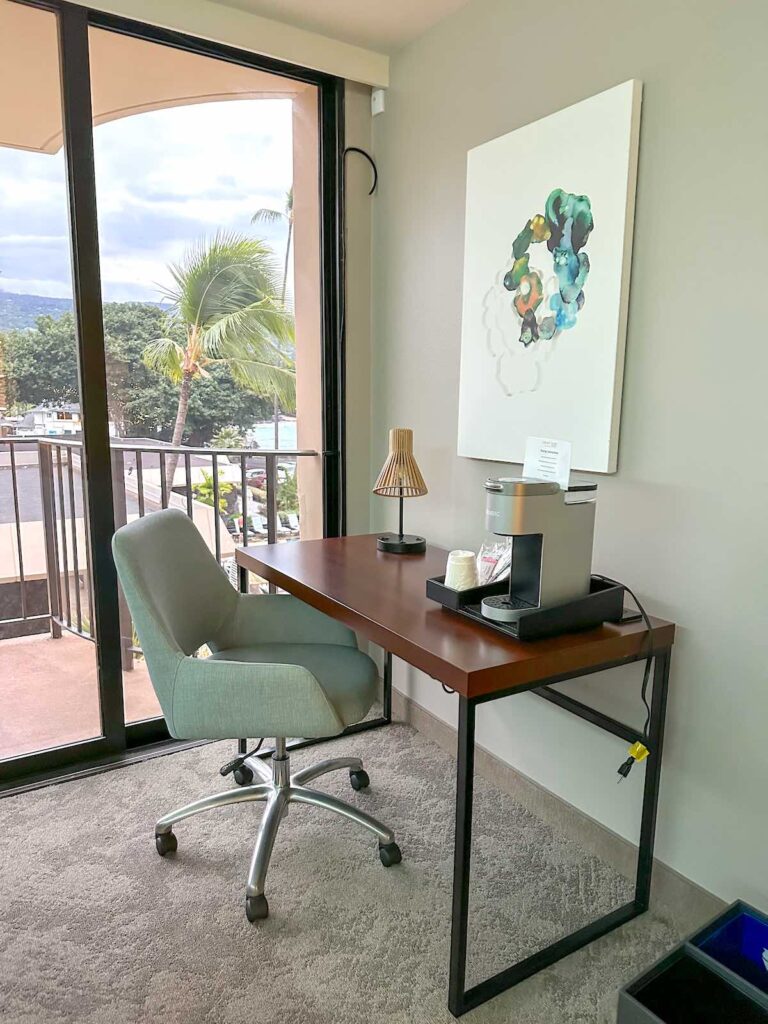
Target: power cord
x=238, y=762
x=638, y=751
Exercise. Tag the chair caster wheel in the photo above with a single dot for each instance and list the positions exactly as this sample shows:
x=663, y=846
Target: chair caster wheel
x=256, y=908
x=166, y=842
x=358, y=779
x=390, y=854
x=243, y=775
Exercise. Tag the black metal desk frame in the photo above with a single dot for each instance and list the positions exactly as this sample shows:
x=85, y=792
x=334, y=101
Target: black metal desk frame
x=461, y=999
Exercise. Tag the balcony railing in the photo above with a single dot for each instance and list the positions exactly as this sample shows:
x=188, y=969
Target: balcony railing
x=45, y=572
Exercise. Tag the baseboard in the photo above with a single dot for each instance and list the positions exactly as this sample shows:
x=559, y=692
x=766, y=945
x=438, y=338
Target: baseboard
x=672, y=892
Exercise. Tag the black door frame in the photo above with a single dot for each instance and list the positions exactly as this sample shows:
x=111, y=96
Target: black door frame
x=74, y=21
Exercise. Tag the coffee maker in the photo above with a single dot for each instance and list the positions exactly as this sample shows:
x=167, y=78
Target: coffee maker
x=552, y=533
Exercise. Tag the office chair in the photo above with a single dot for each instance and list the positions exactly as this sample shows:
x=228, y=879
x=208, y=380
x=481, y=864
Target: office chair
x=276, y=668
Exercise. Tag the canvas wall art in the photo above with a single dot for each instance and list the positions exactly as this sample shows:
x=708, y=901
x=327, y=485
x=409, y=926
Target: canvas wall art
x=548, y=244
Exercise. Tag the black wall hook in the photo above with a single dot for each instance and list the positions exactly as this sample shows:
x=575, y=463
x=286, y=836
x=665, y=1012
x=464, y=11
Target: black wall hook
x=369, y=158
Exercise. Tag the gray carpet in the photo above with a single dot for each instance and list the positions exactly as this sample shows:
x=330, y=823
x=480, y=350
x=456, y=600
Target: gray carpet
x=97, y=929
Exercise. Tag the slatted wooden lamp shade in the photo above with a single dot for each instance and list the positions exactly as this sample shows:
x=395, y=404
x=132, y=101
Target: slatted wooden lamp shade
x=400, y=477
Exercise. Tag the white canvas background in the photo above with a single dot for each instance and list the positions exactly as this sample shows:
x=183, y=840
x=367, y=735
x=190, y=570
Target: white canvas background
x=588, y=149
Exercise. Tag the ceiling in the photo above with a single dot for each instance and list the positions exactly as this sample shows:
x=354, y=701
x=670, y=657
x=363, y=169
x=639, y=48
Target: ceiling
x=384, y=25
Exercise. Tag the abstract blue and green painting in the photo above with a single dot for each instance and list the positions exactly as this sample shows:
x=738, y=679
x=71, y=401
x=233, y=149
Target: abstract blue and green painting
x=565, y=226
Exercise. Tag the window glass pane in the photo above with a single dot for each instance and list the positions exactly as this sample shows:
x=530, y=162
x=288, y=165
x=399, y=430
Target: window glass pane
x=48, y=673
x=207, y=189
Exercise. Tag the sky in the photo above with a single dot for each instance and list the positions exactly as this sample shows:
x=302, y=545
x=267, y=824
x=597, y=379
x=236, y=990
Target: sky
x=164, y=179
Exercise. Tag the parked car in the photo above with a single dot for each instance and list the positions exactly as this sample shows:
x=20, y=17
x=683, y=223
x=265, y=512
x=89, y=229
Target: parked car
x=257, y=478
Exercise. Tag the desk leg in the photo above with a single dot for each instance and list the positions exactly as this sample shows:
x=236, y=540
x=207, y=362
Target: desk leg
x=652, y=780
x=243, y=584
x=461, y=999
x=386, y=697
x=462, y=855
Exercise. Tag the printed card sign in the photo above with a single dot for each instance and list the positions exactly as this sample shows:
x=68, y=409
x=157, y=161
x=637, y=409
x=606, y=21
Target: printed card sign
x=546, y=459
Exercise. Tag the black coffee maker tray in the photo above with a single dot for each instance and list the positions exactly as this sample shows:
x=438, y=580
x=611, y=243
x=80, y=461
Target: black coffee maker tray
x=603, y=603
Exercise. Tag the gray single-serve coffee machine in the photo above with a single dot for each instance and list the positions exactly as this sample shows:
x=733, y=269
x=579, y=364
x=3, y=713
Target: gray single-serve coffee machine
x=552, y=532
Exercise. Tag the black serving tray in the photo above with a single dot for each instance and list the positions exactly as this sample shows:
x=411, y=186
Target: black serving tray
x=603, y=603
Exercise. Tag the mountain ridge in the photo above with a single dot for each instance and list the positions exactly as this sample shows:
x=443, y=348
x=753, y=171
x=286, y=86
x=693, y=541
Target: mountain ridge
x=18, y=310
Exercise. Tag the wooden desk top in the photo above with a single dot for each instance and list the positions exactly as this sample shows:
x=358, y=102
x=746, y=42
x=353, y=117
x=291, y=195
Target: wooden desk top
x=383, y=596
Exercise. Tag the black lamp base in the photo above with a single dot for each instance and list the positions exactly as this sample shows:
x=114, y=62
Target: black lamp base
x=401, y=544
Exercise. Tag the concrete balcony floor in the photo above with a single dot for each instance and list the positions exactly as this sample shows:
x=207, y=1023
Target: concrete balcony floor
x=49, y=693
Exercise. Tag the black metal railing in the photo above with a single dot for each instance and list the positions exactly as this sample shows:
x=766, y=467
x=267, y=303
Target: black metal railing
x=45, y=583
x=23, y=581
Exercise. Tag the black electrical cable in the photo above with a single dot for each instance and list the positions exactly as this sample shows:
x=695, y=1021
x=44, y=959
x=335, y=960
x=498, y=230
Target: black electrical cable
x=649, y=655
x=238, y=762
x=627, y=766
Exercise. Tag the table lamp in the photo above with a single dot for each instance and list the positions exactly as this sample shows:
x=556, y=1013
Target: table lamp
x=400, y=477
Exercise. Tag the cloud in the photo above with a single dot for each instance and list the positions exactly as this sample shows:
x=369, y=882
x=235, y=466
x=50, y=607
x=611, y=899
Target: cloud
x=164, y=179
x=33, y=240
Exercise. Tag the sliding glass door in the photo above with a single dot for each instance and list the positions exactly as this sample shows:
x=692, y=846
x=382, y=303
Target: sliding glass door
x=169, y=336
x=49, y=692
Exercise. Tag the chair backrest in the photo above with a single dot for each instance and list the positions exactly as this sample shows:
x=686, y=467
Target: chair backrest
x=178, y=595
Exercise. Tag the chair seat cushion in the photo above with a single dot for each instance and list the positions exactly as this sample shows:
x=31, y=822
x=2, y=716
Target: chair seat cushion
x=348, y=677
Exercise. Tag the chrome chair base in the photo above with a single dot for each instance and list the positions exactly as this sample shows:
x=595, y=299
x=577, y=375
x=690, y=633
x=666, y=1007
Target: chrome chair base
x=278, y=788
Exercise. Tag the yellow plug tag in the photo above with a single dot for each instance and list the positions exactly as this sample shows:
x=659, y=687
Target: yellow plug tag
x=638, y=751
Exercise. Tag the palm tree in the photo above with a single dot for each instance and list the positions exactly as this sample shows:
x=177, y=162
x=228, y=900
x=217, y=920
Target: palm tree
x=267, y=216
x=228, y=437
x=226, y=309
x=204, y=491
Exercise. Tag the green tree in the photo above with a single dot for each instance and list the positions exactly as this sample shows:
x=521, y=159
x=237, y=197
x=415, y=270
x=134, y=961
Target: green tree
x=228, y=437
x=41, y=367
x=42, y=364
x=226, y=307
x=204, y=491
x=288, y=495
x=140, y=402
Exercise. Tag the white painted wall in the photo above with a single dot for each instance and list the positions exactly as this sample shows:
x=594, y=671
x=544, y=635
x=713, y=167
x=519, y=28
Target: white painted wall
x=684, y=520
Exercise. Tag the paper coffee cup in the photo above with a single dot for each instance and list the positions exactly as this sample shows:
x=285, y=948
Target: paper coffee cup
x=461, y=570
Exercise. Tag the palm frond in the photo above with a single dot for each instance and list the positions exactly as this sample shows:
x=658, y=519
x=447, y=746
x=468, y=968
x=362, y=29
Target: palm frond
x=225, y=294
x=264, y=378
x=261, y=326
x=267, y=216
x=219, y=275
x=165, y=356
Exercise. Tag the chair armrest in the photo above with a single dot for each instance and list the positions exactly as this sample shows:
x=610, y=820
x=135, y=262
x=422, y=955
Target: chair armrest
x=227, y=699
x=281, y=619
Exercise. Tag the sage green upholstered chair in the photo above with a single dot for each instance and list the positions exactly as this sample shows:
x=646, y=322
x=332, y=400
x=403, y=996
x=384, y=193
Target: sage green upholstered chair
x=276, y=668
